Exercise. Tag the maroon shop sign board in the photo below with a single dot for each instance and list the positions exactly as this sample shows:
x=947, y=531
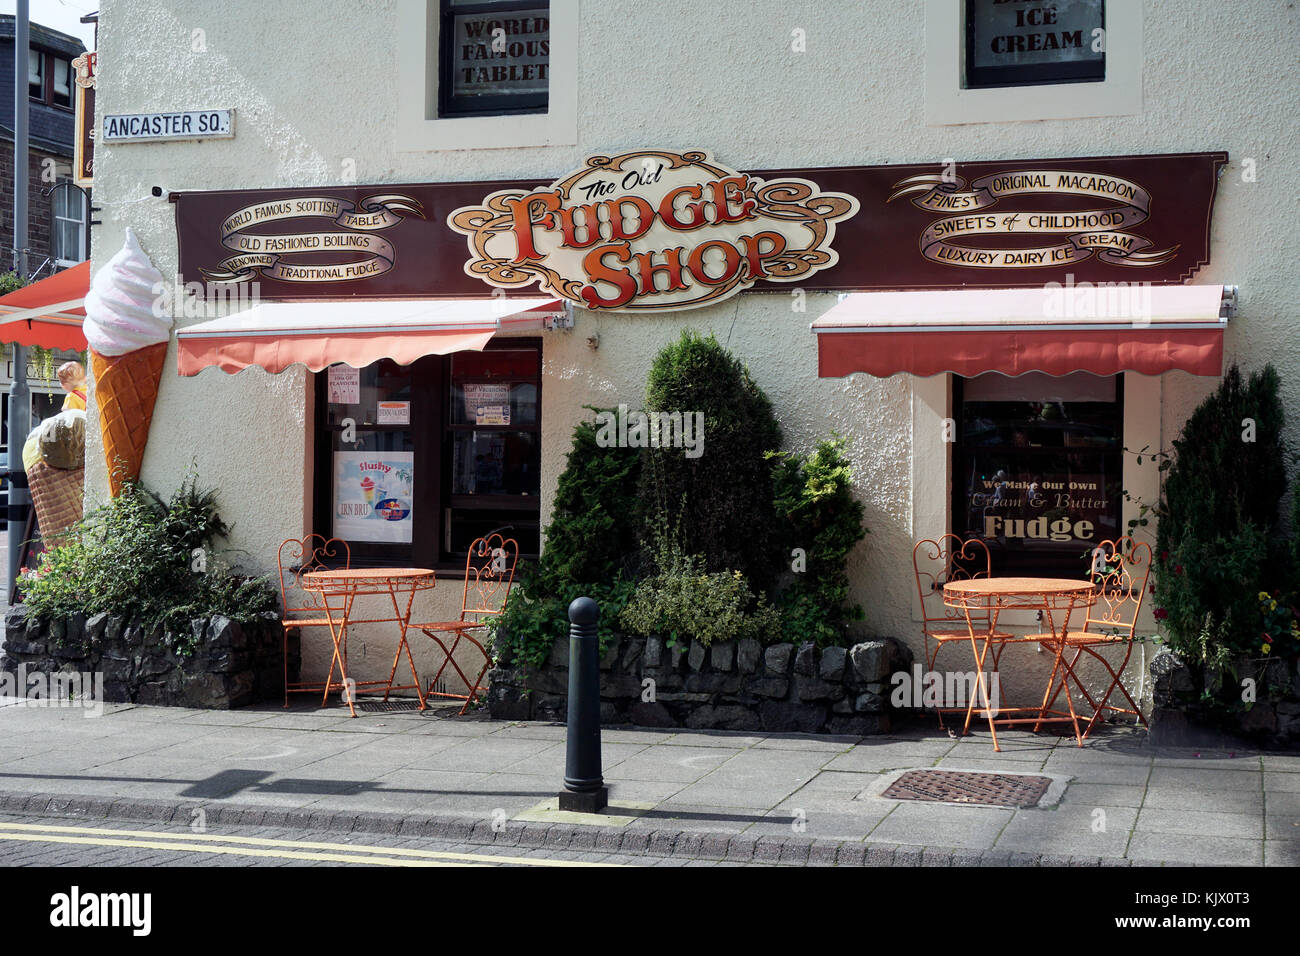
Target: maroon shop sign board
x=656, y=230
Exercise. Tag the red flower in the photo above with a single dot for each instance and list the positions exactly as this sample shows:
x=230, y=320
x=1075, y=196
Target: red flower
x=1160, y=614
x=1268, y=639
x=1178, y=569
x=1153, y=589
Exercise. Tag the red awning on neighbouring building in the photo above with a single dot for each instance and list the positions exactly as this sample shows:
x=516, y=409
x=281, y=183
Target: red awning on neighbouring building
x=48, y=313
x=1098, y=329
x=275, y=335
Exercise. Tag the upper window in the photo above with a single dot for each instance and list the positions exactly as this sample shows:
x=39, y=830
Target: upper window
x=69, y=204
x=1037, y=468
x=49, y=79
x=415, y=462
x=494, y=57
x=36, y=75
x=1034, y=42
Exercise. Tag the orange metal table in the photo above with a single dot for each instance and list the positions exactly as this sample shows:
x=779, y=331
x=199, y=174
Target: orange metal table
x=338, y=590
x=1056, y=598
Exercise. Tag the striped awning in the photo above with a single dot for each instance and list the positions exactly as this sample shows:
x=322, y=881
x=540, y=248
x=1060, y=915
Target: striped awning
x=276, y=335
x=1053, y=329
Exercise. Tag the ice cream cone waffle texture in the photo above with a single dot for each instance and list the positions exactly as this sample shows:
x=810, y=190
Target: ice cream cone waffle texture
x=128, y=343
x=126, y=388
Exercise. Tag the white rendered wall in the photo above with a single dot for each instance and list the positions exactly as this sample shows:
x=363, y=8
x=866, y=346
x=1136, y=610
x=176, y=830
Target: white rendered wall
x=316, y=90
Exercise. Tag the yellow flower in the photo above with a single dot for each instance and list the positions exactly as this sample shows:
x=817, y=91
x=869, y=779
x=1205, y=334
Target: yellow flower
x=1263, y=595
x=1266, y=648
x=1272, y=605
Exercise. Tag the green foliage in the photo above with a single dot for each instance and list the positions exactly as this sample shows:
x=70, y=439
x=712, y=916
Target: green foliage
x=591, y=547
x=1295, y=529
x=818, y=515
x=722, y=499
x=684, y=601
x=1218, y=541
x=590, y=537
x=150, y=560
x=10, y=281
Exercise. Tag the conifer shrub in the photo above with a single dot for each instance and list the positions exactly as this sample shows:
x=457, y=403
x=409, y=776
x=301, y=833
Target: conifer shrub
x=591, y=550
x=1219, y=543
x=721, y=500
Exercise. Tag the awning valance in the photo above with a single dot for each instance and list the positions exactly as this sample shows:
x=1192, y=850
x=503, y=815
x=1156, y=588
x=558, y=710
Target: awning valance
x=48, y=313
x=1053, y=329
x=275, y=335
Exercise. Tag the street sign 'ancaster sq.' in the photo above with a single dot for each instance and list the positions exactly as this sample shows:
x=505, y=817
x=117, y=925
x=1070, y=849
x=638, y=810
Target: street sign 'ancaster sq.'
x=163, y=127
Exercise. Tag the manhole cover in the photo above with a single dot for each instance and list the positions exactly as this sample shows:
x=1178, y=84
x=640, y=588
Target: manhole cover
x=386, y=706
x=965, y=786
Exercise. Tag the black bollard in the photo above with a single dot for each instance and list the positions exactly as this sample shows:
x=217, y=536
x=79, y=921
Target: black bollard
x=584, y=788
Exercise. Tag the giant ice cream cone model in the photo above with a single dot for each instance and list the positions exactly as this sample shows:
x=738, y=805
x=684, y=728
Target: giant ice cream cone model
x=128, y=343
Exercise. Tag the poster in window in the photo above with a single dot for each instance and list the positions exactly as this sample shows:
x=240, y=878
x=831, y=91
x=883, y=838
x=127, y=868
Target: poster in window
x=501, y=53
x=344, y=384
x=1034, y=508
x=393, y=413
x=372, y=495
x=487, y=404
x=1031, y=42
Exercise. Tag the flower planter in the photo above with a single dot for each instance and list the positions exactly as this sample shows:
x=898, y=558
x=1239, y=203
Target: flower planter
x=736, y=685
x=232, y=665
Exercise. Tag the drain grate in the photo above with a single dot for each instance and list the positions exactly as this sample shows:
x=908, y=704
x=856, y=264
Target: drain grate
x=964, y=786
x=386, y=706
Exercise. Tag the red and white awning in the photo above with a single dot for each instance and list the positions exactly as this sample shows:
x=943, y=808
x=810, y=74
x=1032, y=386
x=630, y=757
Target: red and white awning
x=275, y=335
x=48, y=313
x=1057, y=330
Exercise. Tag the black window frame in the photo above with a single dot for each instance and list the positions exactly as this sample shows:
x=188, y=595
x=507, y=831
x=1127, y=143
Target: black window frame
x=431, y=382
x=1069, y=560
x=1029, y=74
x=505, y=104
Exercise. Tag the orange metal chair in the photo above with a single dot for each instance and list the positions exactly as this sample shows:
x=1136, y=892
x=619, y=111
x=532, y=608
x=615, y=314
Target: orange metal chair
x=936, y=562
x=489, y=573
x=303, y=608
x=1119, y=573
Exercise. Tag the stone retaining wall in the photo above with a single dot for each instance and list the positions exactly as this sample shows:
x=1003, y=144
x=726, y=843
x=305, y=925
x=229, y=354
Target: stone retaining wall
x=737, y=685
x=233, y=664
x=1180, y=718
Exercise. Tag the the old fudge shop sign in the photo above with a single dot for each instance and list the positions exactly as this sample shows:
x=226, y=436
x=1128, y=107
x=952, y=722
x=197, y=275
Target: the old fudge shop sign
x=653, y=231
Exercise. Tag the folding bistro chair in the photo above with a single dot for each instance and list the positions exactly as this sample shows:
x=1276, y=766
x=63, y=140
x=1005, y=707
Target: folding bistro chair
x=1119, y=574
x=936, y=562
x=489, y=572
x=303, y=608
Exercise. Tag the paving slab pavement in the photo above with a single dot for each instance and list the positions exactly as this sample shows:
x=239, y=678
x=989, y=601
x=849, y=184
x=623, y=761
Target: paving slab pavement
x=700, y=794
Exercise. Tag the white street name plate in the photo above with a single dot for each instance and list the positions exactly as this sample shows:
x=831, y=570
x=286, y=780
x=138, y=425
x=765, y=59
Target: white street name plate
x=156, y=127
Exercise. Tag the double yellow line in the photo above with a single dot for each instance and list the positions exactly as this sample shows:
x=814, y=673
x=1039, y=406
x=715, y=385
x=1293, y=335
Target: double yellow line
x=262, y=847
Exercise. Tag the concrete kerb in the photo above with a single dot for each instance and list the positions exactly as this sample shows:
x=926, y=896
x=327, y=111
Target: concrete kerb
x=773, y=850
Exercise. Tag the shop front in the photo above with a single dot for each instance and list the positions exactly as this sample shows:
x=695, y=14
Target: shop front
x=422, y=352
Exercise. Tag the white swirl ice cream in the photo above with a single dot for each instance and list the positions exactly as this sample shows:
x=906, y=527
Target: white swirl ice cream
x=120, y=314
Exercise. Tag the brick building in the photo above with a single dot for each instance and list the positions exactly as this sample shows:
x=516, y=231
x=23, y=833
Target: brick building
x=56, y=218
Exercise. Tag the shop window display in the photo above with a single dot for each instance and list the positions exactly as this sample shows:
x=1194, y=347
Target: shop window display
x=414, y=462
x=1037, y=468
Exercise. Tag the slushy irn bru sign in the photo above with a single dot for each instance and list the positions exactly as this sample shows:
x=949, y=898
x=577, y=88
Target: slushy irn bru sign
x=652, y=231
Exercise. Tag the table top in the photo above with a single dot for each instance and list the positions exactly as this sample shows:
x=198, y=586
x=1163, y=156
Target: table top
x=989, y=587
x=362, y=576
